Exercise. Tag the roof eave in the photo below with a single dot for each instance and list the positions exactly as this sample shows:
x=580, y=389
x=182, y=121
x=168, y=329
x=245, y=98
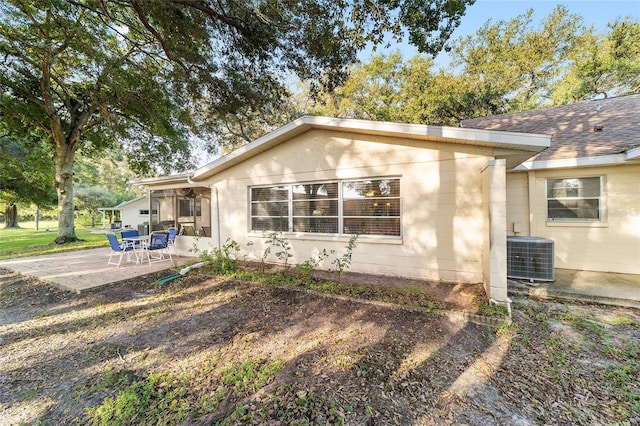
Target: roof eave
x=182, y=177
x=565, y=163
x=123, y=204
x=532, y=143
x=633, y=154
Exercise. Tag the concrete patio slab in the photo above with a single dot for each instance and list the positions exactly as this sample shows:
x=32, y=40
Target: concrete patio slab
x=587, y=286
x=82, y=270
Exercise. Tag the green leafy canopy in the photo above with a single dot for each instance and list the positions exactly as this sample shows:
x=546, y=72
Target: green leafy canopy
x=147, y=75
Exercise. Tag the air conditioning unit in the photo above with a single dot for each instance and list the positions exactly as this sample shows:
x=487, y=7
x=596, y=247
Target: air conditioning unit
x=530, y=258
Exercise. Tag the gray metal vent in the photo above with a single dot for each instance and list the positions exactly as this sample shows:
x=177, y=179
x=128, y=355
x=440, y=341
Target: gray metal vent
x=530, y=258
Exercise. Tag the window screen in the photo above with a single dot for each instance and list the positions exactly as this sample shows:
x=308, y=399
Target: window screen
x=270, y=208
x=574, y=199
x=366, y=207
x=315, y=207
x=371, y=207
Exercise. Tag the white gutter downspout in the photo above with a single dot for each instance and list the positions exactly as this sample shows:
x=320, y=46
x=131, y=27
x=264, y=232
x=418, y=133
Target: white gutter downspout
x=217, y=210
x=214, y=189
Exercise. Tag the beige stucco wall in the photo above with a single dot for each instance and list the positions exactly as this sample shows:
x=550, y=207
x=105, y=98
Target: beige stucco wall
x=442, y=220
x=517, y=204
x=612, y=245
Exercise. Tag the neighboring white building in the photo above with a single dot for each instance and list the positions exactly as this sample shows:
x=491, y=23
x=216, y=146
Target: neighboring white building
x=132, y=213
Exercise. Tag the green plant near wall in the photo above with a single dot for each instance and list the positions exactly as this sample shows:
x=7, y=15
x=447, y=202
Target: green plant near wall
x=310, y=265
x=343, y=262
x=280, y=246
x=225, y=259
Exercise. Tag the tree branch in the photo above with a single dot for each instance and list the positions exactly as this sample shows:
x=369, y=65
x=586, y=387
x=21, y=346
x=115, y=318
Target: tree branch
x=233, y=22
x=143, y=19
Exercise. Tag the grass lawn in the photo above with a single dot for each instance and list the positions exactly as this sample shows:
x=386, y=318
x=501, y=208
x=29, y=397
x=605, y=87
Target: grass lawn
x=26, y=241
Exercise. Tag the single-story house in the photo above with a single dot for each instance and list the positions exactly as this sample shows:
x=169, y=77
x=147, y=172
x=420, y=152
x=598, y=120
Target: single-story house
x=426, y=202
x=583, y=192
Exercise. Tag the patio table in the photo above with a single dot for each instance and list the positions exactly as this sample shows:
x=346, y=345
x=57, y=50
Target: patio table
x=139, y=243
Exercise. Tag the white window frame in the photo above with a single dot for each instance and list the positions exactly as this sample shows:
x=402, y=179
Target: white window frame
x=292, y=210
x=600, y=198
x=340, y=212
x=342, y=200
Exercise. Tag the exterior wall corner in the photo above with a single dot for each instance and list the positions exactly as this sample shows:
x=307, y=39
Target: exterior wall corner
x=494, y=248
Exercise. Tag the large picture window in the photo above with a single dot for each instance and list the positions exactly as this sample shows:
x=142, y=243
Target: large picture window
x=371, y=207
x=365, y=207
x=574, y=199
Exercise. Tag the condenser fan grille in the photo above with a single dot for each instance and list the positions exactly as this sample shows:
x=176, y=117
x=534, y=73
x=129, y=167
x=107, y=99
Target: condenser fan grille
x=530, y=258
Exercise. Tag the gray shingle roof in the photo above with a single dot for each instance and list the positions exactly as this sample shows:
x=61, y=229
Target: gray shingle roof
x=573, y=127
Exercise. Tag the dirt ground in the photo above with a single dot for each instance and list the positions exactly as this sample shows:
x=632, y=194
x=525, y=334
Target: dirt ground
x=342, y=361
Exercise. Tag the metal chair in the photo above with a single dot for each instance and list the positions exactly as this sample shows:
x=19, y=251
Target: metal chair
x=159, y=243
x=118, y=249
x=188, y=230
x=130, y=233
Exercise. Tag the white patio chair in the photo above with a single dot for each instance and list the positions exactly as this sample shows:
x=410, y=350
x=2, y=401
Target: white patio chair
x=119, y=249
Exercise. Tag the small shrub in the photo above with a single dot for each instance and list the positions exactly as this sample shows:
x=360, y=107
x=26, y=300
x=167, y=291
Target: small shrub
x=204, y=255
x=225, y=260
x=344, y=262
x=310, y=265
x=280, y=245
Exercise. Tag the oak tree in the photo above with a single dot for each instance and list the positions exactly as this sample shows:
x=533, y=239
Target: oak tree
x=147, y=74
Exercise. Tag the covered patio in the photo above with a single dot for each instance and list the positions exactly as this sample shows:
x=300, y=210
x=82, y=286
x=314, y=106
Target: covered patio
x=175, y=201
x=188, y=209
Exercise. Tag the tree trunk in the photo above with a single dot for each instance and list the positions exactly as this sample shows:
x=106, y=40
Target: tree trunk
x=65, y=142
x=63, y=161
x=11, y=216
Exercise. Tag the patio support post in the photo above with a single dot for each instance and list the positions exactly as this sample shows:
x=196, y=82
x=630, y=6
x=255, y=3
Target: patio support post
x=150, y=209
